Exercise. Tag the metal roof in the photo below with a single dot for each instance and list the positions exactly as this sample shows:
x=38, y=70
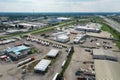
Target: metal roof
x=107, y=70
x=42, y=65
x=63, y=36
x=87, y=28
x=102, y=52
x=52, y=52
x=17, y=49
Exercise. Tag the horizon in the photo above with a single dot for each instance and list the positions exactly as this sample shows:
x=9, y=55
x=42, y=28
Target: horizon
x=59, y=12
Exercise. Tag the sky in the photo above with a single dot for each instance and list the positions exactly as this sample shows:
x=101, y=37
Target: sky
x=59, y=5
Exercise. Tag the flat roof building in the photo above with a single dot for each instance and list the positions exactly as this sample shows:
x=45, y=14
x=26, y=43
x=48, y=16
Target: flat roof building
x=63, y=18
x=42, y=65
x=18, y=52
x=78, y=38
x=7, y=41
x=90, y=27
x=107, y=70
x=53, y=53
x=62, y=38
x=104, y=54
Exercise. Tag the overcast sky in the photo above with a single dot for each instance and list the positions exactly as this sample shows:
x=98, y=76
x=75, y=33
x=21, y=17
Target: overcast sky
x=60, y=5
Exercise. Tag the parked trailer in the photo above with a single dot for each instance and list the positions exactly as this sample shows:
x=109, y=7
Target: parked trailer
x=25, y=61
x=63, y=63
x=69, y=50
x=54, y=78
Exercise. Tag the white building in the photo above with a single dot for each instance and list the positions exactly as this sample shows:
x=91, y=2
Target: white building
x=63, y=18
x=61, y=33
x=53, y=53
x=90, y=27
x=34, y=24
x=62, y=38
x=78, y=38
x=7, y=41
x=42, y=65
x=15, y=31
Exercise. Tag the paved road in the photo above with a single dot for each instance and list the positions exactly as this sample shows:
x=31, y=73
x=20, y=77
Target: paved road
x=112, y=23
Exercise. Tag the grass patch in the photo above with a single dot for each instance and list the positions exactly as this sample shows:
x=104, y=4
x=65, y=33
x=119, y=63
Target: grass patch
x=45, y=30
x=32, y=51
x=114, y=33
x=31, y=66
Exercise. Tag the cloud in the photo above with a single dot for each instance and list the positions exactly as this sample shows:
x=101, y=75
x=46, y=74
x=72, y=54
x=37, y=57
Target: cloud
x=59, y=5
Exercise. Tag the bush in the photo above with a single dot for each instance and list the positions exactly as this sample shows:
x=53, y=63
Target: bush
x=60, y=76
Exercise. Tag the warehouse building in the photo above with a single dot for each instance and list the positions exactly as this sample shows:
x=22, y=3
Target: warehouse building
x=104, y=54
x=53, y=53
x=63, y=18
x=62, y=38
x=88, y=29
x=78, y=38
x=7, y=41
x=61, y=33
x=18, y=52
x=42, y=65
x=107, y=70
x=106, y=65
x=15, y=31
x=34, y=24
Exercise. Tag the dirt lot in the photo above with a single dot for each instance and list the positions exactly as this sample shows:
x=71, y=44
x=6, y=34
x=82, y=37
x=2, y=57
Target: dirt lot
x=78, y=58
x=92, y=42
x=11, y=72
x=81, y=56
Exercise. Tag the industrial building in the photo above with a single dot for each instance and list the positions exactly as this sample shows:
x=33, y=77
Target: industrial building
x=88, y=29
x=17, y=52
x=53, y=53
x=15, y=31
x=60, y=33
x=7, y=41
x=63, y=18
x=106, y=65
x=34, y=24
x=104, y=54
x=91, y=27
x=107, y=70
x=62, y=38
x=78, y=38
x=42, y=65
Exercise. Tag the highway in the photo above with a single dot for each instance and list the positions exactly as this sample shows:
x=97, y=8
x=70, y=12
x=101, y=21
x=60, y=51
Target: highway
x=111, y=23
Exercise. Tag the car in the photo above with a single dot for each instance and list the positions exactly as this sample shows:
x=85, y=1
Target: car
x=42, y=35
x=88, y=50
x=78, y=73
